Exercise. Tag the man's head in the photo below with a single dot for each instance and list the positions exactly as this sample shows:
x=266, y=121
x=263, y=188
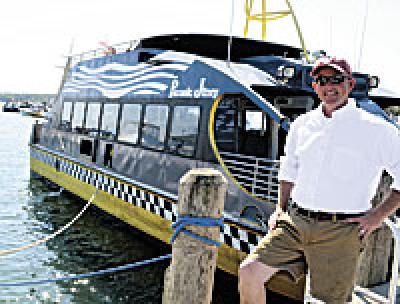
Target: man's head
x=333, y=81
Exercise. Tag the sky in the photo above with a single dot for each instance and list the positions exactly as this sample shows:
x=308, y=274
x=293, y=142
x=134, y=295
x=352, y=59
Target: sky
x=36, y=35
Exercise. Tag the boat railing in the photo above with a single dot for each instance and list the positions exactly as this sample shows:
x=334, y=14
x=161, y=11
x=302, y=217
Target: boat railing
x=121, y=47
x=259, y=176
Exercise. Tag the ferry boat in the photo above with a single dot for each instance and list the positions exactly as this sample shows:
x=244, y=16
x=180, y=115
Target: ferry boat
x=36, y=110
x=132, y=123
x=10, y=106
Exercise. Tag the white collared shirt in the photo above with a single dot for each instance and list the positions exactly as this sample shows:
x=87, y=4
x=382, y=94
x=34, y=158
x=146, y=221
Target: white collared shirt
x=336, y=163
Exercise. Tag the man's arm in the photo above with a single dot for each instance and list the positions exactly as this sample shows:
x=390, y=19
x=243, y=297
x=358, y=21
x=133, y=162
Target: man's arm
x=390, y=159
x=285, y=188
x=375, y=217
x=287, y=174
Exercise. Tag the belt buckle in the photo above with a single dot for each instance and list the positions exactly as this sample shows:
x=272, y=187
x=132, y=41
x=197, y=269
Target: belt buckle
x=334, y=218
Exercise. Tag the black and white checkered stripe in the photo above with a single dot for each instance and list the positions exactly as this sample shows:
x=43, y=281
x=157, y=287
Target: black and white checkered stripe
x=48, y=159
x=240, y=239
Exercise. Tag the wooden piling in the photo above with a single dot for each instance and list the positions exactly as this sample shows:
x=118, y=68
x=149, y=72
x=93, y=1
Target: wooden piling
x=190, y=277
x=374, y=265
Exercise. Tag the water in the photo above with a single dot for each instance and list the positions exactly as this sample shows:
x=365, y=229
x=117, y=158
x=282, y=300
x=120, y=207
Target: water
x=31, y=209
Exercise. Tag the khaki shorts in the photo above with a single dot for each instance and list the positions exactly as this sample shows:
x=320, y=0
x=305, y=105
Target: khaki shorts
x=330, y=249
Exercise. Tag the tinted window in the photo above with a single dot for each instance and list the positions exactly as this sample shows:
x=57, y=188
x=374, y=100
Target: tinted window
x=109, y=122
x=129, y=127
x=79, y=115
x=66, y=114
x=185, y=125
x=154, y=126
x=92, y=116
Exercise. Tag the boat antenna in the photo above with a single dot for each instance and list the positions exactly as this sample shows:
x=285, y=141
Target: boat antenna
x=231, y=33
x=362, y=36
x=71, y=47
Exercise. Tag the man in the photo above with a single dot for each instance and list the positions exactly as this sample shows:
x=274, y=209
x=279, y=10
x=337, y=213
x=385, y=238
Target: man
x=334, y=158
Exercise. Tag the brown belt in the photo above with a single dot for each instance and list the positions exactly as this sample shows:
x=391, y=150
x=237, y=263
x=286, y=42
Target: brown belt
x=324, y=216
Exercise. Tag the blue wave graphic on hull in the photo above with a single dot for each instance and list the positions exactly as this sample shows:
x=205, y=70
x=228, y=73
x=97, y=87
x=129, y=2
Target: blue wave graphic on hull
x=141, y=79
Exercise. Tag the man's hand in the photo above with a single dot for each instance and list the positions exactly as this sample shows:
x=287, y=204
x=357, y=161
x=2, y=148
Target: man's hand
x=274, y=218
x=367, y=223
x=375, y=217
x=285, y=188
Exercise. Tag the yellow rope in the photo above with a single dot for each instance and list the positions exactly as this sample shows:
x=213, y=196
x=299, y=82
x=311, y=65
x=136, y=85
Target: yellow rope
x=53, y=235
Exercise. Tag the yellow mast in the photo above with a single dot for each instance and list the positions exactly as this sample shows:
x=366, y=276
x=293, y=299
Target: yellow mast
x=266, y=16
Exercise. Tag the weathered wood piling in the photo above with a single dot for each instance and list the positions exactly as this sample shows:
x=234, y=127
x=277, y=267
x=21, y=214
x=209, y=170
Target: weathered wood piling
x=374, y=263
x=190, y=277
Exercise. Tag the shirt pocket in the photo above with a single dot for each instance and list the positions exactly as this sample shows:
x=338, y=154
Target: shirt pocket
x=345, y=164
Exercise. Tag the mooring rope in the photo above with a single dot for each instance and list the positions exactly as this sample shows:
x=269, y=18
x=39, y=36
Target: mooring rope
x=179, y=226
x=89, y=274
x=53, y=235
x=184, y=221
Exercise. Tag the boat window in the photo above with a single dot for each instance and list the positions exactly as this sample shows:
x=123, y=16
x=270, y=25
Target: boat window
x=79, y=115
x=86, y=147
x=184, y=130
x=66, y=115
x=255, y=121
x=92, y=117
x=129, y=127
x=227, y=124
x=109, y=122
x=154, y=126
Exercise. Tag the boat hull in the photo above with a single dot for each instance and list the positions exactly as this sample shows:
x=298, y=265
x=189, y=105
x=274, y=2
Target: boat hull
x=146, y=210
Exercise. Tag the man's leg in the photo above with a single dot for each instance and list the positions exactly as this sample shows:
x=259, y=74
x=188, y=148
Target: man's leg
x=332, y=258
x=279, y=250
x=252, y=277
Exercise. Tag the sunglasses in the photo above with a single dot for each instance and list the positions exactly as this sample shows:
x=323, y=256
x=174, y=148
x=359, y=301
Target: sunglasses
x=324, y=80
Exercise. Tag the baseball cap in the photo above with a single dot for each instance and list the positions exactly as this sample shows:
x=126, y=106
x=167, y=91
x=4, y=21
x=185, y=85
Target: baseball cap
x=339, y=65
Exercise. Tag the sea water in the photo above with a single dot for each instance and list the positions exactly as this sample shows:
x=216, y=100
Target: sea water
x=30, y=210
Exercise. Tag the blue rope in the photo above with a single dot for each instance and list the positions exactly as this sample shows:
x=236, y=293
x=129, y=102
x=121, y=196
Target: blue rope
x=90, y=274
x=184, y=221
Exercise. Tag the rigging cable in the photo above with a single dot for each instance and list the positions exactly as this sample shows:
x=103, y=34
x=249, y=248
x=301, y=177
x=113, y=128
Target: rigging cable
x=363, y=35
x=53, y=235
x=231, y=33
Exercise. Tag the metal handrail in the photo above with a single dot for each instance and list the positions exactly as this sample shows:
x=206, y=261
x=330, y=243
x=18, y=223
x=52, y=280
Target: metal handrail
x=238, y=163
x=272, y=176
x=248, y=156
x=248, y=178
x=269, y=168
x=267, y=189
x=100, y=52
x=239, y=169
x=253, y=173
x=253, y=185
x=268, y=183
x=235, y=162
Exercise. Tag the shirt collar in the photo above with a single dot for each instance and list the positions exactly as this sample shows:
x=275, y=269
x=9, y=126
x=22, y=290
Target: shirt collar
x=339, y=113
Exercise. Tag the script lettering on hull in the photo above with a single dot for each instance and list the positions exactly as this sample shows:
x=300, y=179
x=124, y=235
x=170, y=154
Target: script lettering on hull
x=201, y=92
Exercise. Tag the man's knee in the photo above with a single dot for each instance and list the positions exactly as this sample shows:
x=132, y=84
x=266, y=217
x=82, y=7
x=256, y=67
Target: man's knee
x=255, y=272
